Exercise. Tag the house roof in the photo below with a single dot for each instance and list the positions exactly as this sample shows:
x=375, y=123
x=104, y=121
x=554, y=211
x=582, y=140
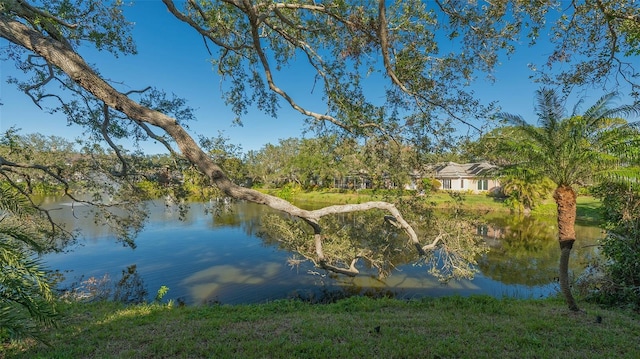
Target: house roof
x=456, y=170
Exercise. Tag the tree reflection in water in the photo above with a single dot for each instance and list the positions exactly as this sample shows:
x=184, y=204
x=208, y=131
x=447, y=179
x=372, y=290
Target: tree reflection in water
x=523, y=249
x=130, y=288
x=515, y=250
x=365, y=239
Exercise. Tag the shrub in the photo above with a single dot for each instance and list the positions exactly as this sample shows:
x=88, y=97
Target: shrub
x=619, y=282
x=289, y=191
x=431, y=184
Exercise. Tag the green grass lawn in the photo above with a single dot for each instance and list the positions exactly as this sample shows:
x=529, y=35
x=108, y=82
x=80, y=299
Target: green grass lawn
x=587, y=206
x=359, y=327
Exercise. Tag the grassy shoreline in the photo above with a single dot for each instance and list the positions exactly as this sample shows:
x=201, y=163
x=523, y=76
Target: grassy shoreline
x=358, y=327
x=587, y=206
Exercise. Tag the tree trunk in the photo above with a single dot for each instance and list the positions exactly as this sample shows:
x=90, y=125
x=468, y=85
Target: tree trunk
x=565, y=198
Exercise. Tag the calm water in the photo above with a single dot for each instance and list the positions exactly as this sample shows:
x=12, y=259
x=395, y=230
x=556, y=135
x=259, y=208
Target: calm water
x=205, y=258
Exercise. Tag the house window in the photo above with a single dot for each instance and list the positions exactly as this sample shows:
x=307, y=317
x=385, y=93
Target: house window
x=461, y=183
x=446, y=184
x=483, y=185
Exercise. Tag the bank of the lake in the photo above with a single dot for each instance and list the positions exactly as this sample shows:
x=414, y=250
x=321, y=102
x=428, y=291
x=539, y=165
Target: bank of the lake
x=359, y=327
x=587, y=206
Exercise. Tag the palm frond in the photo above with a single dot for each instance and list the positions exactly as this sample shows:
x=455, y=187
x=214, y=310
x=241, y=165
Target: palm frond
x=603, y=114
x=17, y=325
x=576, y=108
x=21, y=234
x=597, y=111
x=621, y=174
x=23, y=282
x=530, y=131
x=26, y=298
x=549, y=109
x=577, y=149
x=623, y=111
x=515, y=120
x=11, y=201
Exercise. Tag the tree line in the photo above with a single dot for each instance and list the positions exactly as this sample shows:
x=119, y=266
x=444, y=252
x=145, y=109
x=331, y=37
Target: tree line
x=309, y=163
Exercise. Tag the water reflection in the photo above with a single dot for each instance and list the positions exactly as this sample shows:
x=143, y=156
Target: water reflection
x=205, y=258
x=130, y=288
x=525, y=251
x=207, y=283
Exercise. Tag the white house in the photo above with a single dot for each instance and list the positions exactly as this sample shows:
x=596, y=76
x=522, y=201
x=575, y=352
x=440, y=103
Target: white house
x=474, y=177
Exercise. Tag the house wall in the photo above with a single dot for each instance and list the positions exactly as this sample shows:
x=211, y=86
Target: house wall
x=468, y=184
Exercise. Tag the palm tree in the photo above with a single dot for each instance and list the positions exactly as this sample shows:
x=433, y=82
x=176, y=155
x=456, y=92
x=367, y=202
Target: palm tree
x=571, y=151
x=26, y=298
x=525, y=190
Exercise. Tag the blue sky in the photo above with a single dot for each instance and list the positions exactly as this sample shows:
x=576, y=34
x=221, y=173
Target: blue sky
x=172, y=57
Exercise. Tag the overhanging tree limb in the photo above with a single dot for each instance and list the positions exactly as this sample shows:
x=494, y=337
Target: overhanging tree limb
x=63, y=56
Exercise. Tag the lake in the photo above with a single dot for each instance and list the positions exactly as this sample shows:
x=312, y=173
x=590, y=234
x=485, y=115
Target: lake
x=207, y=258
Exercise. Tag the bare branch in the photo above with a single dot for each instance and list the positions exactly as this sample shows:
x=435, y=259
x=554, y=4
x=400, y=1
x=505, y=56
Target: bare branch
x=253, y=18
x=156, y=137
x=104, y=129
x=431, y=246
x=352, y=271
x=207, y=34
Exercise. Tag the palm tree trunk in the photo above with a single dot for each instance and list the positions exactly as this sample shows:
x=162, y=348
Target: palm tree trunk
x=565, y=198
